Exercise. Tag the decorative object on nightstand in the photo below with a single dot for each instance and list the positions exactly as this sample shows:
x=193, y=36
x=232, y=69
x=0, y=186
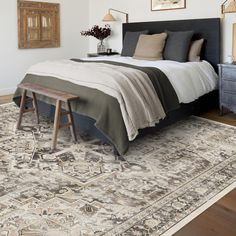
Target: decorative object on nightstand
x=109, y=17
x=99, y=33
x=227, y=87
x=229, y=6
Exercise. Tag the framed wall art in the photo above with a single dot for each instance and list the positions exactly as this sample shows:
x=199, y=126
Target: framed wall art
x=163, y=5
x=38, y=25
x=234, y=43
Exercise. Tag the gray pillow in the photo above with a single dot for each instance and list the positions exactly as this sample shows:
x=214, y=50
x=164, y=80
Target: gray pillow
x=130, y=43
x=177, y=45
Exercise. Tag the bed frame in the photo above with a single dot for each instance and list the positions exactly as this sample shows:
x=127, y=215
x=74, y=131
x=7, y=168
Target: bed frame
x=209, y=29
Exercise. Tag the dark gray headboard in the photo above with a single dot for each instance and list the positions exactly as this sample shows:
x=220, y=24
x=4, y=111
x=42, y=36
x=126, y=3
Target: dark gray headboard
x=209, y=29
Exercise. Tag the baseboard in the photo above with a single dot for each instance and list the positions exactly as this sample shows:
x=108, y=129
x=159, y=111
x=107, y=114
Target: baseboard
x=7, y=91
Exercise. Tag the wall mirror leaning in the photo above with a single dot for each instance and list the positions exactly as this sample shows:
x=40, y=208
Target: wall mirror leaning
x=162, y=5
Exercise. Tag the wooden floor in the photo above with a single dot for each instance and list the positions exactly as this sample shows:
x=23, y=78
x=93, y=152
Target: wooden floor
x=218, y=220
x=5, y=99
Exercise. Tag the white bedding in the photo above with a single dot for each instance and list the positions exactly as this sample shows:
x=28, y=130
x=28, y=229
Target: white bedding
x=190, y=80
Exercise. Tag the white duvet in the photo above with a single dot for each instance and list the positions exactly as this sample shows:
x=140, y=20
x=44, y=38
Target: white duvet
x=190, y=80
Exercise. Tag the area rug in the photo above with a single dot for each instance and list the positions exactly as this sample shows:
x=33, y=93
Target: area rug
x=167, y=178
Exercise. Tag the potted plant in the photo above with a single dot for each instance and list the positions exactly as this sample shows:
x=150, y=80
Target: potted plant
x=99, y=33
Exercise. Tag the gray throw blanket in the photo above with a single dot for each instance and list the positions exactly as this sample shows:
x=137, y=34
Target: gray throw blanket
x=161, y=83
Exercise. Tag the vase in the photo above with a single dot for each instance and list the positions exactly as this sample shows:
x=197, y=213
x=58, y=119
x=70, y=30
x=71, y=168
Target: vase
x=101, y=48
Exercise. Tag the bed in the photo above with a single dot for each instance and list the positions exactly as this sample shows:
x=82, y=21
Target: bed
x=99, y=114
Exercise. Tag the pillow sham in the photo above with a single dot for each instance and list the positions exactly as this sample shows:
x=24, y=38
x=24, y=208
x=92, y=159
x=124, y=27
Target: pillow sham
x=130, y=42
x=195, y=50
x=177, y=45
x=150, y=47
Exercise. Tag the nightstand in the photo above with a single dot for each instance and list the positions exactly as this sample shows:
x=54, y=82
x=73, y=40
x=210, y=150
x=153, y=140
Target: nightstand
x=227, y=87
x=102, y=54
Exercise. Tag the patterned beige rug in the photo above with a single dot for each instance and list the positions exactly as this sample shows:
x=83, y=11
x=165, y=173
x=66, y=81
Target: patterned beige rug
x=167, y=179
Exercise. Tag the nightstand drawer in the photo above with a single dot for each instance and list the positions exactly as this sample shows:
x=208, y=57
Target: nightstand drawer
x=229, y=73
x=228, y=98
x=228, y=85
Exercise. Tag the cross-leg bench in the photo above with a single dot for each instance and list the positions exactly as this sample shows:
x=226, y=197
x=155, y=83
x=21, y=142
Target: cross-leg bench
x=59, y=96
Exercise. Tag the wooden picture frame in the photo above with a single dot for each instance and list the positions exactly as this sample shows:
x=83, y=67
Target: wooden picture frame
x=38, y=24
x=234, y=43
x=163, y=5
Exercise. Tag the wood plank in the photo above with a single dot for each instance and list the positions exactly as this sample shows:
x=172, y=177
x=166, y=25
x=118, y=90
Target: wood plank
x=229, y=202
x=71, y=120
x=35, y=104
x=6, y=99
x=22, y=108
x=28, y=110
x=56, y=124
x=65, y=125
x=215, y=221
x=228, y=118
x=52, y=93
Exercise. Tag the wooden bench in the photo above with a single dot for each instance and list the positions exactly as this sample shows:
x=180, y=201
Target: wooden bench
x=59, y=96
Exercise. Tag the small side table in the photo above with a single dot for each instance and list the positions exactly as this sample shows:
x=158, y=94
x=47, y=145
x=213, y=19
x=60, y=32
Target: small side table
x=227, y=88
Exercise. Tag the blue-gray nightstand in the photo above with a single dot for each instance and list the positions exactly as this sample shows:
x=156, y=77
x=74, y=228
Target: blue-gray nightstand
x=227, y=87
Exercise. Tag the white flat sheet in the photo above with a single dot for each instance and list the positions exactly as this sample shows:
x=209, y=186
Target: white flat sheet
x=190, y=80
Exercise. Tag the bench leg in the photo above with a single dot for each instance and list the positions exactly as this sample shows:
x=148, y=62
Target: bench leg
x=56, y=124
x=71, y=120
x=22, y=108
x=35, y=104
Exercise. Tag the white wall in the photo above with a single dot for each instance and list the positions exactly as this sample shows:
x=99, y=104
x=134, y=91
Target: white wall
x=139, y=10
x=14, y=62
x=75, y=15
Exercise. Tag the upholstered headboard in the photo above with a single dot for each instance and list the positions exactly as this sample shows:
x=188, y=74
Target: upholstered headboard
x=209, y=29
